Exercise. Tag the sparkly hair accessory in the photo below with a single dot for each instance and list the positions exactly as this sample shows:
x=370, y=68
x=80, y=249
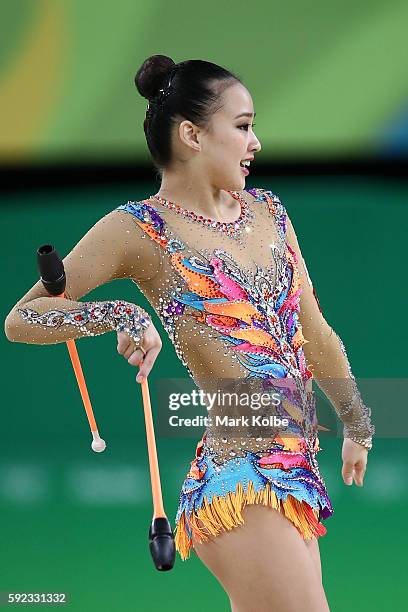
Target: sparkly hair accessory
x=159, y=99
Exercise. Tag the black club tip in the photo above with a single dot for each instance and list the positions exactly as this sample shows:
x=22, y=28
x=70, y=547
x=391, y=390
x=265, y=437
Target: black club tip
x=161, y=543
x=51, y=269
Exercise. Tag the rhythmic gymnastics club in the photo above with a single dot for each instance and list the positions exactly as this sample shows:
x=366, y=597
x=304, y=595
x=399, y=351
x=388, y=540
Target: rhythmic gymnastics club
x=161, y=537
x=53, y=278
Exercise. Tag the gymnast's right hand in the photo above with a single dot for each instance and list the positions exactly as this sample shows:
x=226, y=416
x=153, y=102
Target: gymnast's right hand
x=151, y=344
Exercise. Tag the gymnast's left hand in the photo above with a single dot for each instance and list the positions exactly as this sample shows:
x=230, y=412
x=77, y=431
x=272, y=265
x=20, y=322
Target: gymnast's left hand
x=135, y=356
x=354, y=457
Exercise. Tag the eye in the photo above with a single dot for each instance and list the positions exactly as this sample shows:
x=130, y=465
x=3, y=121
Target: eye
x=246, y=126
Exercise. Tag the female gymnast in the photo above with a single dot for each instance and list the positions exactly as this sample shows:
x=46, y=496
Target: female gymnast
x=221, y=266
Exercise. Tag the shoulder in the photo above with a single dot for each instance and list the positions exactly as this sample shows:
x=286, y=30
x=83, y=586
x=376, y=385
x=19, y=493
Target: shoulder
x=136, y=207
x=259, y=194
x=275, y=205
x=144, y=212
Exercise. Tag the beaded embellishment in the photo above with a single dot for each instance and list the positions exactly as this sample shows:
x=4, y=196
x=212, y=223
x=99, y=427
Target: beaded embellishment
x=230, y=227
x=119, y=315
x=358, y=413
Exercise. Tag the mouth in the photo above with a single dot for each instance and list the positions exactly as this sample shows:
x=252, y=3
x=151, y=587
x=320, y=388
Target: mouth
x=244, y=165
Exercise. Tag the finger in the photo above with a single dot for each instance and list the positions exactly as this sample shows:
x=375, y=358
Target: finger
x=124, y=343
x=129, y=351
x=359, y=472
x=123, y=338
x=347, y=472
x=136, y=357
x=148, y=362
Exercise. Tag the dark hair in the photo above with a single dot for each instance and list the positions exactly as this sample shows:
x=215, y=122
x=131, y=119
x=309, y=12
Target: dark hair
x=194, y=94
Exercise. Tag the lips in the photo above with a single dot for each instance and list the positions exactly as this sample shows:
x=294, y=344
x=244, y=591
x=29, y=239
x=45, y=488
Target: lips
x=244, y=167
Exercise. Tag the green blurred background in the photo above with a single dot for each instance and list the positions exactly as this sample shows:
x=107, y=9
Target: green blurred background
x=326, y=78
x=328, y=83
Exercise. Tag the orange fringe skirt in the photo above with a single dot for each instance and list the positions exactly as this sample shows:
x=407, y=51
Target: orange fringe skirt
x=225, y=513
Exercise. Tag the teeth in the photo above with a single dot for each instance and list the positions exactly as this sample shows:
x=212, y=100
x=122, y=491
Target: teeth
x=246, y=162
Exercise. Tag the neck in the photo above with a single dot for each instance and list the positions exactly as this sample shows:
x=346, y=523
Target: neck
x=199, y=196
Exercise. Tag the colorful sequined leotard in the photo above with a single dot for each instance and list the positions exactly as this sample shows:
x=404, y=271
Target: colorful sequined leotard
x=238, y=304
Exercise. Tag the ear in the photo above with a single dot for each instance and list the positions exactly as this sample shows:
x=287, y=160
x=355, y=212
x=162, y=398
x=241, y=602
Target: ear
x=190, y=135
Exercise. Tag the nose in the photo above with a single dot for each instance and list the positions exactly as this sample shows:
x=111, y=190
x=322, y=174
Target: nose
x=257, y=147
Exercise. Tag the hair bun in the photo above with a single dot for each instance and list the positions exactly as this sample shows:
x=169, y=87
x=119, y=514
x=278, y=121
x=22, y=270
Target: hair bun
x=151, y=75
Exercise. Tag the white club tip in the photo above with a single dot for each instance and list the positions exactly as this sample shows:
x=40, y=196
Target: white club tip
x=98, y=445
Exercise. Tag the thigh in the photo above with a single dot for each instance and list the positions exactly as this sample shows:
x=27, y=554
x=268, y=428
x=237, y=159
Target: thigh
x=313, y=548
x=264, y=564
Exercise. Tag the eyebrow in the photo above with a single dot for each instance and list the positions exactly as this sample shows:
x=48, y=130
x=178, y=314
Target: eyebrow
x=245, y=115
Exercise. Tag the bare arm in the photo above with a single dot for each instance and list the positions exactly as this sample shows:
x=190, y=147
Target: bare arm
x=327, y=358
x=115, y=247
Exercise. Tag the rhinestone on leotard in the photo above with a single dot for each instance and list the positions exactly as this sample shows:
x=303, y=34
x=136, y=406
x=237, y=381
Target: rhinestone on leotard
x=232, y=228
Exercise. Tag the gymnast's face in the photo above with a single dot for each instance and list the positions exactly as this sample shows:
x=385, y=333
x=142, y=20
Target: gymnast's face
x=218, y=150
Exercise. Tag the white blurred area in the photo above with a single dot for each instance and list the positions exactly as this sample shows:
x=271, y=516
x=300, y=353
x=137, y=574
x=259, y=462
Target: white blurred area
x=123, y=484
x=31, y=484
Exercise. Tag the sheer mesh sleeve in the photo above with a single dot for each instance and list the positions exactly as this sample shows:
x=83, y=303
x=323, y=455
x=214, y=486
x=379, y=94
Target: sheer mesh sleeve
x=328, y=359
x=115, y=247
